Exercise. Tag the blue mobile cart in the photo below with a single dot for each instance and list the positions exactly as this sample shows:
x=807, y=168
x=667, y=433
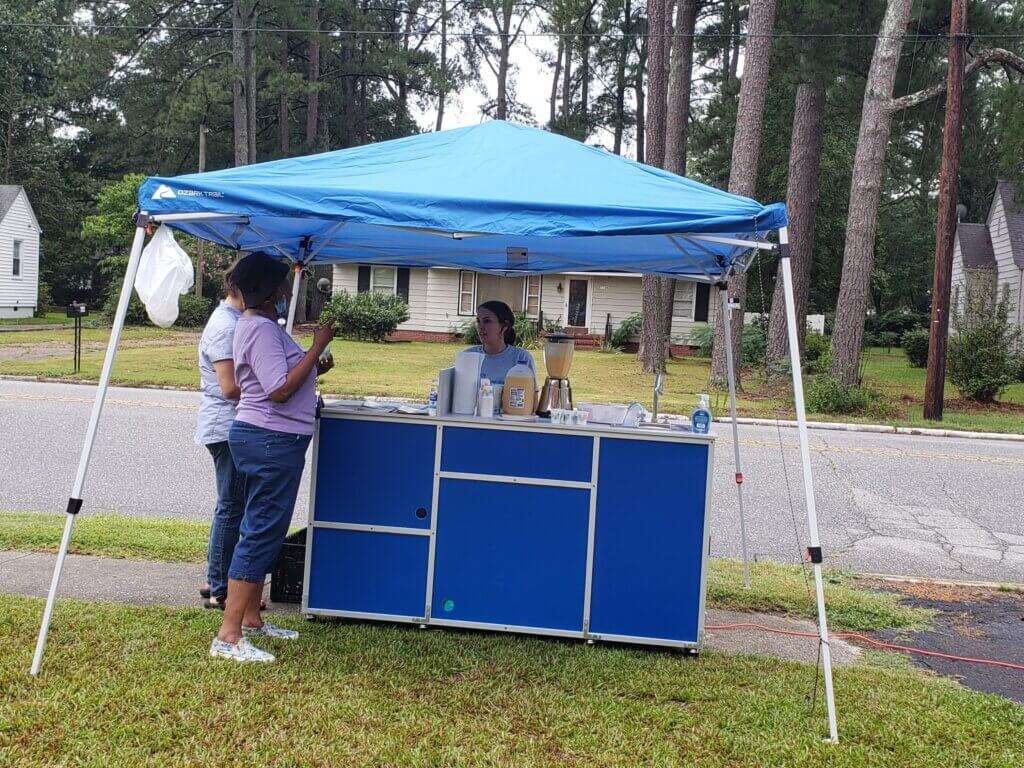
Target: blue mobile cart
x=592, y=532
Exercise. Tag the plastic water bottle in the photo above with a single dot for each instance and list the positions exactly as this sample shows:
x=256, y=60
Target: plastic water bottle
x=700, y=420
x=485, y=402
x=432, y=400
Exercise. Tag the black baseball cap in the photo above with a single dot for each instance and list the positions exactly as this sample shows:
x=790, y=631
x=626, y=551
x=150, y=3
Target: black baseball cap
x=256, y=276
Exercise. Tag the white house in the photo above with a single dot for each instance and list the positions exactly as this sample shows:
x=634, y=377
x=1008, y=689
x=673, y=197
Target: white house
x=442, y=300
x=19, y=253
x=991, y=255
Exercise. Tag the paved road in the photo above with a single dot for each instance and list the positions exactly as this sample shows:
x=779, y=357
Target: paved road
x=909, y=505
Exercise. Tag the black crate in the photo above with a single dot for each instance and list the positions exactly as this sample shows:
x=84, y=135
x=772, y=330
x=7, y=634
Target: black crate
x=289, y=570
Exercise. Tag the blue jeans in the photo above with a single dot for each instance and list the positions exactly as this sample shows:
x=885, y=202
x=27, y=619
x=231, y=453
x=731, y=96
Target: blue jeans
x=226, y=518
x=271, y=464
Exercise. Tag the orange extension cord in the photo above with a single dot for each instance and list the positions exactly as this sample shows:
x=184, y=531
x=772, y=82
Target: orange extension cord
x=870, y=641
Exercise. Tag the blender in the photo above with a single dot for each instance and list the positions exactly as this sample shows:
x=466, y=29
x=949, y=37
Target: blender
x=556, y=392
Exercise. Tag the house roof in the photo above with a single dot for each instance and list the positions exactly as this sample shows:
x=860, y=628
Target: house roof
x=8, y=194
x=1007, y=192
x=975, y=245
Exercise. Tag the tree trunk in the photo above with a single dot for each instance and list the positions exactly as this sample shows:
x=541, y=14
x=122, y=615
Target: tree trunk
x=585, y=74
x=553, y=101
x=865, y=191
x=250, y=84
x=734, y=45
x=801, y=205
x=239, y=99
x=680, y=82
x=641, y=121
x=283, y=128
x=620, y=78
x=746, y=153
x=501, y=111
x=652, y=338
x=313, y=76
x=567, y=80
x=442, y=89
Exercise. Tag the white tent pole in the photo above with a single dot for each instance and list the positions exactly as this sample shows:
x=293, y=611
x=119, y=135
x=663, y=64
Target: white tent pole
x=75, y=501
x=296, y=284
x=805, y=460
x=727, y=319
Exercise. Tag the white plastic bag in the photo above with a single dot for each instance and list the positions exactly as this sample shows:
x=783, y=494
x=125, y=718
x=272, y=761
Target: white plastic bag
x=165, y=272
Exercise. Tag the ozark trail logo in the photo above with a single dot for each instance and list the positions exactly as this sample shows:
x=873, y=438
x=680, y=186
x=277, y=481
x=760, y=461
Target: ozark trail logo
x=163, y=192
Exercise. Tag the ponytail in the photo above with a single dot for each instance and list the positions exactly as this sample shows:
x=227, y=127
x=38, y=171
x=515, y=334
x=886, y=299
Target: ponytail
x=503, y=312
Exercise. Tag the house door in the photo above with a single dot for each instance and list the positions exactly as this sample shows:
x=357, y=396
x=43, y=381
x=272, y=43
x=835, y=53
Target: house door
x=578, y=310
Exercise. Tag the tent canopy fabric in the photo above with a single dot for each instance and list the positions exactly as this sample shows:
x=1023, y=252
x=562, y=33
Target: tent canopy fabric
x=495, y=197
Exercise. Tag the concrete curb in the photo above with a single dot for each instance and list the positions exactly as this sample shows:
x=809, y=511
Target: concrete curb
x=834, y=426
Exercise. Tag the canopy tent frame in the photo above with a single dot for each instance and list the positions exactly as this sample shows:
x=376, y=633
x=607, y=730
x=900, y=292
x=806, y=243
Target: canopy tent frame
x=716, y=247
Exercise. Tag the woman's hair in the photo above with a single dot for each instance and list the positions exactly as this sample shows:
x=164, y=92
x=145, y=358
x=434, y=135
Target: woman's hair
x=230, y=289
x=503, y=312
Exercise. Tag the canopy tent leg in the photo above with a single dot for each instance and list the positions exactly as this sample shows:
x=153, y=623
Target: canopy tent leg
x=805, y=460
x=75, y=501
x=727, y=319
x=296, y=285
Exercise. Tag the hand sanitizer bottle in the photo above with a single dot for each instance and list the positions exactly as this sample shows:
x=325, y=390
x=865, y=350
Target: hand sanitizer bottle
x=432, y=400
x=485, y=402
x=700, y=420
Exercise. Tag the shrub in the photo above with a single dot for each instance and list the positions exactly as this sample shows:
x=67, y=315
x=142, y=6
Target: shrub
x=815, y=345
x=628, y=329
x=44, y=302
x=702, y=337
x=982, y=352
x=469, y=332
x=915, y=344
x=193, y=311
x=827, y=395
x=136, y=314
x=887, y=339
x=368, y=316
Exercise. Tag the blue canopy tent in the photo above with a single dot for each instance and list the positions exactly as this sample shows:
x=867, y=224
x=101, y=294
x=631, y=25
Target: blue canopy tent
x=498, y=198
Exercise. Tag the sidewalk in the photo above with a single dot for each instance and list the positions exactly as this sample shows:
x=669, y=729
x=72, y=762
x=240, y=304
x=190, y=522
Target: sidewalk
x=140, y=582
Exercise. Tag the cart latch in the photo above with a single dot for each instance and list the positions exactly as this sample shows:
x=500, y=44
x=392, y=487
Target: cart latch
x=74, y=506
x=814, y=555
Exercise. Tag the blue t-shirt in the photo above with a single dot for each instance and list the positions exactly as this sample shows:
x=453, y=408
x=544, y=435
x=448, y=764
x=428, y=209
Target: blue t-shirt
x=496, y=367
x=216, y=412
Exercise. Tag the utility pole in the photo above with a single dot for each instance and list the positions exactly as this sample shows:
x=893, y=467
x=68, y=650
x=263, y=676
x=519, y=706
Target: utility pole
x=200, y=256
x=945, y=230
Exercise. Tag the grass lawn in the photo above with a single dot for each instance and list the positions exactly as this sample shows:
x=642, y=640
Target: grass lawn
x=774, y=588
x=407, y=369
x=127, y=686
x=47, y=318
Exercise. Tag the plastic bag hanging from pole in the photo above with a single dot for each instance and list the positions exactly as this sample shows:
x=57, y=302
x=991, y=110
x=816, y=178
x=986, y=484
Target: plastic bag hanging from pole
x=165, y=273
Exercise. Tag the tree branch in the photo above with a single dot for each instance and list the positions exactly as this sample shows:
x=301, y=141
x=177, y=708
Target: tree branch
x=982, y=58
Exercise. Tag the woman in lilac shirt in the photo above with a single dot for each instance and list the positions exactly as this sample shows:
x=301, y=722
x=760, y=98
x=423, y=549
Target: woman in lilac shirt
x=268, y=439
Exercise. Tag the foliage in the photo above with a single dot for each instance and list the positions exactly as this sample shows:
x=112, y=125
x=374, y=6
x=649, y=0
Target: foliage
x=527, y=334
x=628, y=330
x=752, y=342
x=815, y=345
x=983, y=349
x=367, y=316
x=44, y=302
x=702, y=338
x=136, y=314
x=828, y=395
x=193, y=311
x=915, y=344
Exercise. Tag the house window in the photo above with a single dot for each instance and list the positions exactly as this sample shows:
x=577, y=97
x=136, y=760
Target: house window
x=532, y=301
x=384, y=280
x=511, y=290
x=16, y=259
x=467, y=292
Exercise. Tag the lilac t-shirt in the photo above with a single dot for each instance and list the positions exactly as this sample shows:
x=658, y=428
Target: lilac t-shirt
x=264, y=353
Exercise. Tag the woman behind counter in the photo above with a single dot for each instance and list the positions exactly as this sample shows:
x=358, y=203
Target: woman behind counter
x=268, y=440
x=495, y=325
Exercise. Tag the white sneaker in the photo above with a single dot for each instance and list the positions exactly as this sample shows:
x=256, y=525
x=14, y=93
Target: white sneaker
x=270, y=630
x=243, y=651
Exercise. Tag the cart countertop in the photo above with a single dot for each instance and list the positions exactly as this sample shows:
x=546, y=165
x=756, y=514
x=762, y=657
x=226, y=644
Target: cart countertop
x=335, y=409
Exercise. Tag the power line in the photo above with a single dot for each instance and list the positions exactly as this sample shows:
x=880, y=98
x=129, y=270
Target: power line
x=617, y=34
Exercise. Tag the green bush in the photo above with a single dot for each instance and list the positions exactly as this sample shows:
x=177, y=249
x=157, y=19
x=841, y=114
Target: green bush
x=368, y=316
x=827, y=395
x=752, y=342
x=44, y=302
x=887, y=339
x=628, y=330
x=915, y=344
x=982, y=352
x=193, y=311
x=822, y=363
x=702, y=337
x=815, y=345
x=136, y=314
